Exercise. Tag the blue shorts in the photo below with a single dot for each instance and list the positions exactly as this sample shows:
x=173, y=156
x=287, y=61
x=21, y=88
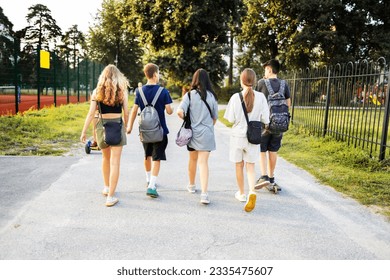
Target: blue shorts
x=156, y=150
x=271, y=142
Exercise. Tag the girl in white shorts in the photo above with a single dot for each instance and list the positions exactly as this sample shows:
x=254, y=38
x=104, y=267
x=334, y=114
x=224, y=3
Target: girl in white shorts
x=241, y=152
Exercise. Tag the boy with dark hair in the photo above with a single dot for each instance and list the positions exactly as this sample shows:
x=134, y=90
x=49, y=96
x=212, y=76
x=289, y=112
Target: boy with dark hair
x=270, y=143
x=154, y=152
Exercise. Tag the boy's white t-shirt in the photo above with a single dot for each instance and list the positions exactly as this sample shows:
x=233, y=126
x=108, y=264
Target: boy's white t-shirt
x=235, y=114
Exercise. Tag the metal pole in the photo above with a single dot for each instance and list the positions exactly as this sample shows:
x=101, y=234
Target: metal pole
x=327, y=106
x=67, y=78
x=38, y=77
x=86, y=79
x=54, y=79
x=16, y=83
x=78, y=79
x=293, y=97
x=385, y=128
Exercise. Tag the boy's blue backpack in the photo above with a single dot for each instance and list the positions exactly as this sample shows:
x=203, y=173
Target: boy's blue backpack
x=279, y=117
x=150, y=129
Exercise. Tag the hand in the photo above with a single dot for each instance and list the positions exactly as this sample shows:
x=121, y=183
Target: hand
x=128, y=130
x=83, y=137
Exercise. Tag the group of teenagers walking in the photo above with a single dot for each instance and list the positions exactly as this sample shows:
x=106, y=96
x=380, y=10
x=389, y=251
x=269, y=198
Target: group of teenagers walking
x=110, y=99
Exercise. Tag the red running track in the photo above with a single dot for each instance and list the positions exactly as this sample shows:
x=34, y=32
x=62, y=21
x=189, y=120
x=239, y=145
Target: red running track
x=7, y=102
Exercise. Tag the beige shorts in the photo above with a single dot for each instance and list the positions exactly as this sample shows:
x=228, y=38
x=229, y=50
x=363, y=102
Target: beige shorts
x=99, y=134
x=241, y=150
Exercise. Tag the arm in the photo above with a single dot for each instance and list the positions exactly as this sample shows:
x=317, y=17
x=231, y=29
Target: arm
x=89, y=118
x=288, y=100
x=133, y=115
x=169, y=109
x=180, y=113
x=126, y=109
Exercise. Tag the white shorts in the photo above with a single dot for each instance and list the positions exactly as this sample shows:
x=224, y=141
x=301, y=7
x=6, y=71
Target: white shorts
x=241, y=150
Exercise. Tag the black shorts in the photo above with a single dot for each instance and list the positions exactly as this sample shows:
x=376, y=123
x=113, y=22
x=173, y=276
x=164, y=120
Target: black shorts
x=271, y=142
x=156, y=150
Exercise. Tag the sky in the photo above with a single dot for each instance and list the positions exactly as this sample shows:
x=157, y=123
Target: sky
x=66, y=13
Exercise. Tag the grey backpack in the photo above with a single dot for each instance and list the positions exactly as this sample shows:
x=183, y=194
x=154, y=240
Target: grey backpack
x=279, y=117
x=150, y=129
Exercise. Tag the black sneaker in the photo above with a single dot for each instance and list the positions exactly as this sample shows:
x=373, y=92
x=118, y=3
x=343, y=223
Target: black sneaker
x=273, y=187
x=262, y=182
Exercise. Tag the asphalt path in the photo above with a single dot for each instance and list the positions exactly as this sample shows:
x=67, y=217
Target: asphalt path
x=52, y=209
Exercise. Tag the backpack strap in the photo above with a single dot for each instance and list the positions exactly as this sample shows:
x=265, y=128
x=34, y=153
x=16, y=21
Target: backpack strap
x=157, y=95
x=270, y=89
x=244, y=107
x=205, y=102
x=141, y=93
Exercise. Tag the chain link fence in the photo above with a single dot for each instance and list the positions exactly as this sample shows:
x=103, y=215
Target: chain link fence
x=25, y=85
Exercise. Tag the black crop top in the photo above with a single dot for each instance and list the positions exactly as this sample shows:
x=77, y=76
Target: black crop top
x=110, y=109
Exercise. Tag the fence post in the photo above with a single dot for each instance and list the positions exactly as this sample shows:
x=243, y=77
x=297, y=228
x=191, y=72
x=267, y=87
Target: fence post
x=55, y=78
x=327, y=106
x=16, y=82
x=39, y=76
x=86, y=79
x=78, y=79
x=67, y=78
x=385, y=129
x=293, y=97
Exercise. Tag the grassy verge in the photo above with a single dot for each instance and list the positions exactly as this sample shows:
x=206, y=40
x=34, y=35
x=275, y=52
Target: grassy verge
x=49, y=131
x=348, y=170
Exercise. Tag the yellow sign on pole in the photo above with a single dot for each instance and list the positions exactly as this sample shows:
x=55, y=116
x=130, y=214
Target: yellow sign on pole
x=45, y=59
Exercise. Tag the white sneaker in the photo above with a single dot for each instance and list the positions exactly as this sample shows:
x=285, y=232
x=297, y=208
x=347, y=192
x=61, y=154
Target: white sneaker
x=204, y=198
x=111, y=201
x=105, y=191
x=240, y=197
x=191, y=188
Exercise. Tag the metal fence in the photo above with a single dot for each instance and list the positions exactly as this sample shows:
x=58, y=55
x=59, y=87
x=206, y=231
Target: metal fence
x=25, y=85
x=349, y=102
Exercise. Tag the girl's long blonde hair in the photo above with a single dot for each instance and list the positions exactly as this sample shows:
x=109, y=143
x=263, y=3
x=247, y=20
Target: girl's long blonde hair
x=112, y=86
x=248, y=78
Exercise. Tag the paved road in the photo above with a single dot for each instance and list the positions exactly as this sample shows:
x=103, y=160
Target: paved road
x=52, y=208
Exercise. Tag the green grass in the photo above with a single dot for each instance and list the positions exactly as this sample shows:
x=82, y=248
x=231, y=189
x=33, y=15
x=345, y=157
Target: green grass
x=349, y=170
x=49, y=131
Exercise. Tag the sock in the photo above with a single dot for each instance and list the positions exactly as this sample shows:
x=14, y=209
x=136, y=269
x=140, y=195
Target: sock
x=147, y=173
x=272, y=180
x=152, y=182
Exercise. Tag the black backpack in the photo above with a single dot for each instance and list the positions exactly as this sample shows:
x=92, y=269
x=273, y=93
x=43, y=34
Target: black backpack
x=279, y=117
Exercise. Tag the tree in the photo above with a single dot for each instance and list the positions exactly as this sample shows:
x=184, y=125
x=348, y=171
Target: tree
x=304, y=33
x=42, y=29
x=110, y=42
x=6, y=50
x=74, y=41
x=182, y=36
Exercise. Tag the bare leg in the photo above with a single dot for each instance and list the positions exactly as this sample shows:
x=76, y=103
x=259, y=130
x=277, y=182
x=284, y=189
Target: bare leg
x=250, y=171
x=115, y=163
x=263, y=163
x=192, y=164
x=203, y=157
x=106, y=153
x=240, y=176
x=148, y=164
x=272, y=158
x=155, y=167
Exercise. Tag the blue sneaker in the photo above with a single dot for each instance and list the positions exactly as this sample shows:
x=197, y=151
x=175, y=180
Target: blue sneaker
x=152, y=192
